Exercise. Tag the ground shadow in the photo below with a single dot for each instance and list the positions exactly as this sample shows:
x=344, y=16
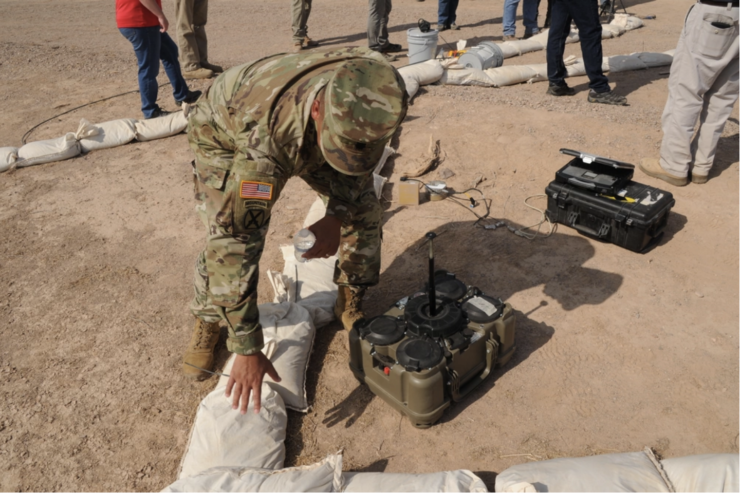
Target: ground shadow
x=630, y=81
x=725, y=155
x=488, y=477
x=377, y=466
x=350, y=409
x=353, y=38
x=294, y=435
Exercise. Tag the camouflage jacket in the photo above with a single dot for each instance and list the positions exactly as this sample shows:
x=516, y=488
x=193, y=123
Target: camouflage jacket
x=264, y=108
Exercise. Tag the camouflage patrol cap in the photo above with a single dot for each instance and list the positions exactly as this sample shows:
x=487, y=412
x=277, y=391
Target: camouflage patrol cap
x=364, y=103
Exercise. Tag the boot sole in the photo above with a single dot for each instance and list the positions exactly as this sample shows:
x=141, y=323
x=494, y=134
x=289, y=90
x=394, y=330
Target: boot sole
x=699, y=179
x=677, y=182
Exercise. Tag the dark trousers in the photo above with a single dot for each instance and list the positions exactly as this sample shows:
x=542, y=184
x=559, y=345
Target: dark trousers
x=586, y=16
x=151, y=46
x=446, y=12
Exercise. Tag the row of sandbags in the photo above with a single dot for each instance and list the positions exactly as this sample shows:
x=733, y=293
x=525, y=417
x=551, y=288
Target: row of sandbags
x=90, y=137
x=451, y=73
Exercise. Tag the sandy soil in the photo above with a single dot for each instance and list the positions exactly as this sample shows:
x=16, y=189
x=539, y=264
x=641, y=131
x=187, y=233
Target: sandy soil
x=616, y=350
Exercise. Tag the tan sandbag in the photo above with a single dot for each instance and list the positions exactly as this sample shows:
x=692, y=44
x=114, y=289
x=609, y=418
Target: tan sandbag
x=636, y=471
x=465, y=76
x=160, y=127
x=709, y=472
x=48, y=151
x=421, y=74
x=322, y=476
x=96, y=136
x=8, y=156
x=223, y=437
x=460, y=480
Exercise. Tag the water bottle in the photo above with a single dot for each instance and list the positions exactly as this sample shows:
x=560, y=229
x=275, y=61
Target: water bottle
x=303, y=241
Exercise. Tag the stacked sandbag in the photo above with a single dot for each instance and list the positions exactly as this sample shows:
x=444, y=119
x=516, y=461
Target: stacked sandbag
x=709, y=472
x=322, y=476
x=636, y=471
x=460, y=480
x=48, y=151
x=8, y=157
x=114, y=133
x=420, y=74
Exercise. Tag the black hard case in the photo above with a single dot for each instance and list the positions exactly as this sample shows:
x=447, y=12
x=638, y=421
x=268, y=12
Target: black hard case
x=595, y=173
x=631, y=224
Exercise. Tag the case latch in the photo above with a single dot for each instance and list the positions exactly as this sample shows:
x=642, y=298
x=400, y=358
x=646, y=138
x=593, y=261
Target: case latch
x=561, y=198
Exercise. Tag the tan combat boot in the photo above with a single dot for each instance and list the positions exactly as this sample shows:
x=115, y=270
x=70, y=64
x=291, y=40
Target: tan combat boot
x=652, y=167
x=199, y=73
x=200, y=351
x=217, y=69
x=310, y=43
x=349, y=306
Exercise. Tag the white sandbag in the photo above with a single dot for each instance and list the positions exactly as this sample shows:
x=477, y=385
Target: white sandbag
x=420, y=74
x=378, y=180
x=322, y=476
x=465, y=76
x=626, y=21
x=8, y=156
x=289, y=336
x=710, y=472
x=623, y=63
x=48, y=151
x=315, y=288
x=637, y=471
x=460, y=480
x=651, y=59
x=104, y=135
x=160, y=127
x=223, y=437
x=515, y=74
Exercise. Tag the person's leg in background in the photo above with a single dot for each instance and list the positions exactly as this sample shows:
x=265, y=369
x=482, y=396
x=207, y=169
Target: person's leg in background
x=443, y=14
x=586, y=17
x=300, y=16
x=146, y=43
x=559, y=32
x=719, y=102
x=530, y=17
x=376, y=13
x=200, y=17
x=189, y=39
x=169, y=57
x=509, y=17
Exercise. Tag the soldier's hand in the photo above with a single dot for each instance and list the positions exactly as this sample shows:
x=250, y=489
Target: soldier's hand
x=327, y=232
x=246, y=378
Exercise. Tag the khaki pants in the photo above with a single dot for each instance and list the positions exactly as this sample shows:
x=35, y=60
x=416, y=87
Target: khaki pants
x=703, y=86
x=190, y=17
x=300, y=16
x=378, y=20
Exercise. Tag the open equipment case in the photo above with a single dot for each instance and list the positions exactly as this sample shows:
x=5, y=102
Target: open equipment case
x=597, y=197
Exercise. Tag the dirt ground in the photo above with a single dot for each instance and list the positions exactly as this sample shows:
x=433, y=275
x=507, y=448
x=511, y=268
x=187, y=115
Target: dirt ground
x=615, y=350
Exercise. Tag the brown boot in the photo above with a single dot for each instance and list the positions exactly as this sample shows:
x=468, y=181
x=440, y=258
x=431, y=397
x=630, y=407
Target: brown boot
x=217, y=69
x=310, y=43
x=198, y=73
x=298, y=45
x=652, y=167
x=349, y=306
x=200, y=351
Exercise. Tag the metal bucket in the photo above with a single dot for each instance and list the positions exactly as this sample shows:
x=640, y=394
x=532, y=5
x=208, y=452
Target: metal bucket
x=422, y=46
x=482, y=56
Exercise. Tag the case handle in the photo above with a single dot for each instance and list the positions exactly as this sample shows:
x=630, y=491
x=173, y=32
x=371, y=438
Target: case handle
x=582, y=184
x=603, y=230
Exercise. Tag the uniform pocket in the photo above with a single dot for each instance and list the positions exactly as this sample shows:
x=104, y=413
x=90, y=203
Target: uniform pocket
x=717, y=32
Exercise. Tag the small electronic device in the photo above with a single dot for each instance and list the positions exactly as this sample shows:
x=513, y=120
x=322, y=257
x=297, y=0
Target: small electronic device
x=434, y=347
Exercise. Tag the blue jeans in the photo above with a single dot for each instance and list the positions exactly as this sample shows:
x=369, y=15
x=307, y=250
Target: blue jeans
x=151, y=46
x=586, y=17
x=529, y=16
x=446, y=12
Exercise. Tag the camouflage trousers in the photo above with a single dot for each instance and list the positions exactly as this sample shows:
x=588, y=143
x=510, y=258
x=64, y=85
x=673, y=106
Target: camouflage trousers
x=226, y=271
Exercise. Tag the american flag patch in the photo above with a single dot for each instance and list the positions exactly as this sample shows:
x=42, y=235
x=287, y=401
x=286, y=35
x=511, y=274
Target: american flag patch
x=256, y=190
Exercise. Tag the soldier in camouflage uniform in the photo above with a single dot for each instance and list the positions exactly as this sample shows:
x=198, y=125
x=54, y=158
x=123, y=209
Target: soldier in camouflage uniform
x=324, y=116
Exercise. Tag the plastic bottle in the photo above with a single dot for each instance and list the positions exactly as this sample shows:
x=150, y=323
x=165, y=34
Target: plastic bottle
x=303, y=241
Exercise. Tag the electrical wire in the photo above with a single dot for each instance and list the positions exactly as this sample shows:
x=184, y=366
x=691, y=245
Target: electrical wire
x=544, y=218
x=25, y=136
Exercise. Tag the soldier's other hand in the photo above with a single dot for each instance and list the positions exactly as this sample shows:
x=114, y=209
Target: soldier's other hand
x=246, y=378
x=327, y=232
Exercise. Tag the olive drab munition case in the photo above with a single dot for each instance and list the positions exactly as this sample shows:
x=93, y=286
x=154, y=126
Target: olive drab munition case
x=420, y=363
x=633, y=219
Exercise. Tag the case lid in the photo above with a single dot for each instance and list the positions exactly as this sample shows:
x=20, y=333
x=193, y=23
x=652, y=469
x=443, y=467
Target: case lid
x=591, y=158
x=418, y=354
x=384, y=330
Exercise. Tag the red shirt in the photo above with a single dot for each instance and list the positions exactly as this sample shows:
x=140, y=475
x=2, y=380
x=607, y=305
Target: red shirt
x=131, y=13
